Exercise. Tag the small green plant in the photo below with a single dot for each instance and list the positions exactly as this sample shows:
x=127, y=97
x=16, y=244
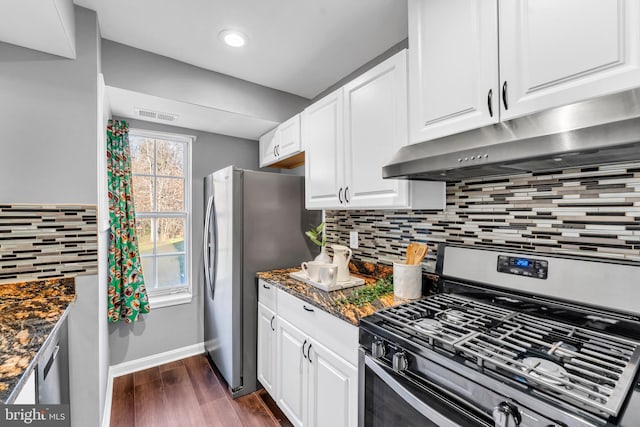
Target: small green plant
x=315, y=233
x=366, y=295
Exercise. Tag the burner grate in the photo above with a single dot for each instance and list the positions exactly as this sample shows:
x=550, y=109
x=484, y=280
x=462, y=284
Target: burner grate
x=579, y=366
x=597, y=369
x=453, y=317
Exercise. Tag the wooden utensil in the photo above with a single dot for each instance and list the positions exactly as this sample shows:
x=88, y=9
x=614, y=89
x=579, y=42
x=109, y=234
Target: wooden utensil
x=410, y=252
x=416, y=253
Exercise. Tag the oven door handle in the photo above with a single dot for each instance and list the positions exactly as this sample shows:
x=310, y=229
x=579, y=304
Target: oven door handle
x=407, y=396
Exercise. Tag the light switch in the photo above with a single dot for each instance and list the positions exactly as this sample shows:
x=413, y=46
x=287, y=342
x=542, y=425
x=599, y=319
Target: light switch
x=353, y=239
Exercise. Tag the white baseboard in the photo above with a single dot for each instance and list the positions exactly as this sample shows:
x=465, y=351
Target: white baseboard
x=140, y=364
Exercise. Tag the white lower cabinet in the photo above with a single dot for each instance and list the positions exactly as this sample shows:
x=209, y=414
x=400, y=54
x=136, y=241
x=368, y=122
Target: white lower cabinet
x=292, y=370
x=267, y=345
x=333, y=389
x=27, y=395
x=309, y=369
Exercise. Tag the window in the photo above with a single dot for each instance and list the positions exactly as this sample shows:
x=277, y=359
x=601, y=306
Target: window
x=161, y=166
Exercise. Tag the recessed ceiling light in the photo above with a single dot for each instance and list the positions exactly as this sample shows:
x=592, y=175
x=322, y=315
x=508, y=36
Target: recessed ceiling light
x=233, y=38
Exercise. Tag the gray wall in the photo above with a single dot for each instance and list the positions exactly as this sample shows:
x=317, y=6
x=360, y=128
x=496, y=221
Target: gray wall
x=152, y=74
x=48, y=120
x=48, y=107
x=169, y=328
x=404, y=44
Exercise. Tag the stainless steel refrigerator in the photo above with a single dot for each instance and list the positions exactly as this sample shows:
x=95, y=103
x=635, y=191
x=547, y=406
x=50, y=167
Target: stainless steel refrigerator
x=254, y=221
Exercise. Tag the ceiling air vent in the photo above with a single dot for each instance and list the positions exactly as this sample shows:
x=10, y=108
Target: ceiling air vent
x=156, y=115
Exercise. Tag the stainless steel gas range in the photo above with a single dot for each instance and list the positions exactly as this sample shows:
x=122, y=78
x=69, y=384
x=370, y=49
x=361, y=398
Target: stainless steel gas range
x=512, y=339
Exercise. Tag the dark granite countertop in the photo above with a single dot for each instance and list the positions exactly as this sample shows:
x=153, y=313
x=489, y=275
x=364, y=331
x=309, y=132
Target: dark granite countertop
x=332, y=302
x=29, y=313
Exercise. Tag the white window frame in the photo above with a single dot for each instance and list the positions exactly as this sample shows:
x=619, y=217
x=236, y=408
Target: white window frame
x=183, y=294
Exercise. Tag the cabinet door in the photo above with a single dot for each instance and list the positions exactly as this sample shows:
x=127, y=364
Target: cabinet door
x=556, y=52
x=289, y=137
x=322, y=137
x=27, y=395
x=267, y=349
x=375, y=107
x=453, y=66
x=333, y=389
x=292, y=372
x=268, y=143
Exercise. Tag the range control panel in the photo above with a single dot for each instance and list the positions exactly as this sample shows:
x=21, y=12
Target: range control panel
x=536, y=268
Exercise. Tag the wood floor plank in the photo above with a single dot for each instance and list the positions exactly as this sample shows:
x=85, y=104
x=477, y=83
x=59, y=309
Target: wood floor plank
x=188, y=393
x=170, y=365
x=272, y=406
x=205, y=383
x=146, y=375
x=181, y=402
x=252, y=412
x=220, y=413
x=150, y=405
x=122, y=403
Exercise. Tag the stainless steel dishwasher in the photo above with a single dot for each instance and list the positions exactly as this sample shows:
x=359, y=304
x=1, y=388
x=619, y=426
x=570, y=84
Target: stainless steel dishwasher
x=53, y=370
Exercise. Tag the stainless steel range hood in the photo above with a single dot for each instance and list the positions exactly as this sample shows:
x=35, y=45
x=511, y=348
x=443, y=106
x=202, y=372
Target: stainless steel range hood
x=597, y=131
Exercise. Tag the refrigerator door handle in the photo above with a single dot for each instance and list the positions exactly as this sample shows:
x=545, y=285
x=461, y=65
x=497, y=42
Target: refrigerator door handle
x=206, y=248
x=214, y=243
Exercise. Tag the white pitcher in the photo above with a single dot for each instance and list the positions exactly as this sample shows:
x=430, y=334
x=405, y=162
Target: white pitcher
x=341, y=258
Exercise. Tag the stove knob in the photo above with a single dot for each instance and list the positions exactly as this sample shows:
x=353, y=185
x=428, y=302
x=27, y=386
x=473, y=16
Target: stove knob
x=506, y=414
x=378, y=349
x=400, y=362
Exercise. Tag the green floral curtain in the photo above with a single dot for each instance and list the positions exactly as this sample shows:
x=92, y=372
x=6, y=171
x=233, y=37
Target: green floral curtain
x=127, y=293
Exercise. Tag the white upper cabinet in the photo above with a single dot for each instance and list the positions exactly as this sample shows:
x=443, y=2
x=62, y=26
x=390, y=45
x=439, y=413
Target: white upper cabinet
x=473, y=63
x=555, y=52
x=352, y=133
x=322, y=133
x=375, y=107
x=453, y=57
x=289, y=138
x=268, y=143
x=282, y=146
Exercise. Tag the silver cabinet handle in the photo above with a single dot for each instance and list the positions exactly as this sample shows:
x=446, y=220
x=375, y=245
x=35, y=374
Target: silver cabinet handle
x=346, y=195
x=490, y=102
x=271, y=323
x=504, y=95
x=49, y=364
x=340, y=195
x=309, y=352
x=307, y=308
x=303, y=345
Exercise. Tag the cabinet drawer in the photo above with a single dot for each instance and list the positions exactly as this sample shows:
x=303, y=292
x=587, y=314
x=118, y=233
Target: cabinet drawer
x=267, y=294
x=334, y=333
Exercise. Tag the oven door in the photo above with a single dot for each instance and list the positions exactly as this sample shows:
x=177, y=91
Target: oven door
x=387, y=398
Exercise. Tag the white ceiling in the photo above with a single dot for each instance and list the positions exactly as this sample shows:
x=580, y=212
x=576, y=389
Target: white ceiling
x=298, y=46
x=44, y=25
x=123, y=103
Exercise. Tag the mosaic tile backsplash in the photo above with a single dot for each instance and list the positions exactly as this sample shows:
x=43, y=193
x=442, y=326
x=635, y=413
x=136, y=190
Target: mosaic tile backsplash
x=589, y=211
x=47, y=241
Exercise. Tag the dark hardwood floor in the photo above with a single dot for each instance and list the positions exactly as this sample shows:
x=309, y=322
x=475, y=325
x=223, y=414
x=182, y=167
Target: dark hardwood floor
x=187, y=393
